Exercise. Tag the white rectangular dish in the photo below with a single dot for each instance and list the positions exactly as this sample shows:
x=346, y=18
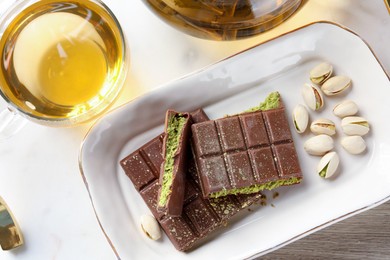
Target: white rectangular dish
x=231, y=86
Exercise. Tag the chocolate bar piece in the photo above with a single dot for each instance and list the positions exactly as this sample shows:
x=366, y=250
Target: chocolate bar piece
x=199, y=216
x=172, y=172
x=245, y=153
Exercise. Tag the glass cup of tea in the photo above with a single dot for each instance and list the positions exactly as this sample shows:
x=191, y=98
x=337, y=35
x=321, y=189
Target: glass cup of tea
x=62, y=62
x=223, y=19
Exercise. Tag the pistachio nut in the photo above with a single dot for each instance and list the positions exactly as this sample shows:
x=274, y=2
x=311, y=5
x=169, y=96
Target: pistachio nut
x=328, y=165
x=320, y=73
x=319, y=145
x=312, y=96
x=323, y=126
x=336, y=85
x=354, y=144
x=355, y=125
x=150, y=227
x=345, y=108
x=300, y=118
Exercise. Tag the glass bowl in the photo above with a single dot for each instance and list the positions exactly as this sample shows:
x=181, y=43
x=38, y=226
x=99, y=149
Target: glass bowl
x=223, y=19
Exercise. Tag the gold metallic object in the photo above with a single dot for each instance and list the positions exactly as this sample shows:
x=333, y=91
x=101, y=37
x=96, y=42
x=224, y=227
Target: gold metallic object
x=10, y=234
x=387, y=3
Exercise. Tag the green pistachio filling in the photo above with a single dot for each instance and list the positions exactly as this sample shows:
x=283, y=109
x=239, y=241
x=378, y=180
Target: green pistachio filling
x=256, y=188
x=322, y=173
x=362, y=123
x=318, y=99
x=296, y=125
x=271, y=102
x=174, y=130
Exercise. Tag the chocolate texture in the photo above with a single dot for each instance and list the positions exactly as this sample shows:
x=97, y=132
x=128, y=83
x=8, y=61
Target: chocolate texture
x=199, y=216
x=245, y=153
x=173, y=169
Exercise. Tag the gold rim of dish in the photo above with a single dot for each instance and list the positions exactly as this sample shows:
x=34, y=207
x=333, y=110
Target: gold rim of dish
x=317, y=228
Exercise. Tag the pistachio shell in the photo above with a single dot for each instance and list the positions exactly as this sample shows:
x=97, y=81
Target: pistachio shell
x=319, y=145
x=150, y=227
x=355, y=125
x=336, y=85
x=354, y=144
x=328, y=165
x=300, y=118
x=323, y=126
x=312, y=96
x=345, y=108
x=320, y=73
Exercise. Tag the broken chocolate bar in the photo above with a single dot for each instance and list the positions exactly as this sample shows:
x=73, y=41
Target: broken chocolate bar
x=199, y=216
x=172, y=172
x=245, y=153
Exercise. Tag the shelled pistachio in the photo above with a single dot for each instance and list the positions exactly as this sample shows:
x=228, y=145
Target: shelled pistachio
x=323, y=126
x=319, y=145
x=312, y=96
x=150, y=227
x=300, y=118
x=328, y=165
x=354, y=144
x=320, y=73
x=345, y=108
x=336, y=85
x=355, y=125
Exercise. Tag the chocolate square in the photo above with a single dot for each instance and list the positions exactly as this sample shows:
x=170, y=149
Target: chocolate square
x=179, y=231
x=287, y=160
x=207, y=137
x=135, y=162
x=264, y=165
x=153, y=151
x=277, y=126
x=254, y=130
x=217, y=176
x=201, y=215
x=231, y=136
x=240, y=169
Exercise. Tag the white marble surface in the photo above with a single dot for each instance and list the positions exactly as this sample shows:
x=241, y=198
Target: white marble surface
x=39, y=174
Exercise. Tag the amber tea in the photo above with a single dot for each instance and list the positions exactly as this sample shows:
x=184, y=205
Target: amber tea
x=62, y=61
x=223, y=19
